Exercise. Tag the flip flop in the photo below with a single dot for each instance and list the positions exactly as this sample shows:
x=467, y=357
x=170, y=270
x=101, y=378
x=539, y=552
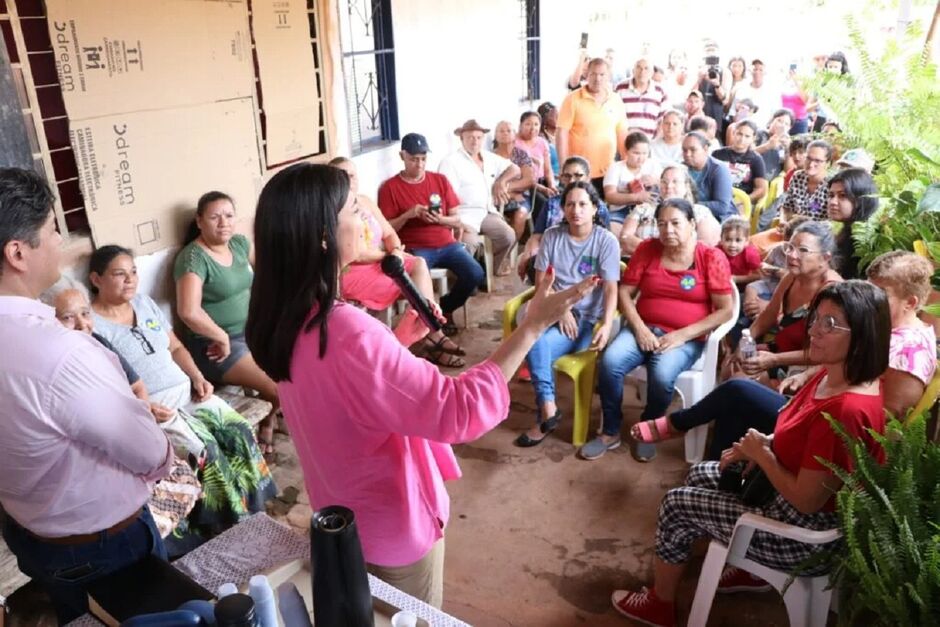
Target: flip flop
x=652, y=431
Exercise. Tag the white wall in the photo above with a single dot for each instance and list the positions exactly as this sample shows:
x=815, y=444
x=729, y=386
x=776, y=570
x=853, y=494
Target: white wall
x=453, y=61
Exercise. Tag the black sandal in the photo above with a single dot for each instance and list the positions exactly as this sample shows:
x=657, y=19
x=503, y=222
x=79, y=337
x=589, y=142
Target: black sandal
x=439, y=356
x=546, y=427
x=431, y=345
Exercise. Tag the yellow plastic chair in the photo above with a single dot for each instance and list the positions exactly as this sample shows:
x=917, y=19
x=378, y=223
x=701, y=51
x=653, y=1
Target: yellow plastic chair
x=742, y=201
x=774, y=189
x=929, y=397
x=581, y=368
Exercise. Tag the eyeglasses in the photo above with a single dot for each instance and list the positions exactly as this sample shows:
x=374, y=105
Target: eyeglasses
x=802, y=251
x=568, y=177
x=812, y=160
x=827, y=324
x=144, y=342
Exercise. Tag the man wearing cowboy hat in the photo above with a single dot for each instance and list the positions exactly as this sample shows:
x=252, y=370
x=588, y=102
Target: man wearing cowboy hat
x=480, y=179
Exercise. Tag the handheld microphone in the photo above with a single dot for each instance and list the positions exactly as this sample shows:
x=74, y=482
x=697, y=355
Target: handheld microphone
x=393, y=268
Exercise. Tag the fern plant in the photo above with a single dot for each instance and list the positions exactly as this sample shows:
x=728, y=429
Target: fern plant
x=889, y=108
x=888, y=570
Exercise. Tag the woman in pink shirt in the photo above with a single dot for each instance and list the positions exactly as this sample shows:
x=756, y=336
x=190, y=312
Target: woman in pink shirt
x=372, y=423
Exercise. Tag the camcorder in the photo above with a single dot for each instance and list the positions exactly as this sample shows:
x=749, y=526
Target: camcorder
x=714, y=69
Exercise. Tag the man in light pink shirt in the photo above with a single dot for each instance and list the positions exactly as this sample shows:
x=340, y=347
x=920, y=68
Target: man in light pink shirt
x=79, y=452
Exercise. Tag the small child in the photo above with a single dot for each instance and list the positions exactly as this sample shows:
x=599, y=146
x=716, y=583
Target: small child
x=743, y=257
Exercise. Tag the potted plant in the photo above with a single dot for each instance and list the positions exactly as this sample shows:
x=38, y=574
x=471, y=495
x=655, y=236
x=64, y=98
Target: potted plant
x=887, y=572
x=888, y=107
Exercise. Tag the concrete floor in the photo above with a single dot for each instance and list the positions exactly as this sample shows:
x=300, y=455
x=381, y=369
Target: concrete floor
x=537, y=537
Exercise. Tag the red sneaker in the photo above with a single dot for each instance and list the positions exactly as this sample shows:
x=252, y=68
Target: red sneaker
x=644, y=607
x=523, y=373
x=737, y=580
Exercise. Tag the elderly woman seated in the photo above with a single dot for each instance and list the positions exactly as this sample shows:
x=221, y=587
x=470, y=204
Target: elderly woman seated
x=175, y=496
x=640, y=225
x=573, y=251
x=236, y=478
x=849, y=327
x=740, y=404
x=780, y=328
x=685, y=293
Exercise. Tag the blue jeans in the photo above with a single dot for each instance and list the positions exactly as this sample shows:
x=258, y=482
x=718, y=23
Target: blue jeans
x=65, y=570
x=454, y=257
x=551, y=345
x=736, y=406
x=662, y=370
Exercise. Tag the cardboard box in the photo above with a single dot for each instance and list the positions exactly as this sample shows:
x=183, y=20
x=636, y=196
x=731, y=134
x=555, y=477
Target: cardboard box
x=288, y=79
x=141, y=173
x=117, y=57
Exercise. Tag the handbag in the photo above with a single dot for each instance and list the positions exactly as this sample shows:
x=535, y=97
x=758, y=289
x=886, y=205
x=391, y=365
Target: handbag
x=754, y=488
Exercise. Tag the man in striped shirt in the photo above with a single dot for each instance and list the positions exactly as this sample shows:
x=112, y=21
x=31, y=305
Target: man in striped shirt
x=644, y=100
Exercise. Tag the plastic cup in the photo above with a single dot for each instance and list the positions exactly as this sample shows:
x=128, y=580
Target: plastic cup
x=404, y=619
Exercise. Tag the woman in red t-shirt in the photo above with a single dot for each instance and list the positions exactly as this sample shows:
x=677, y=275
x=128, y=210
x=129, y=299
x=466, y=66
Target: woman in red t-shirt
x=849, y=332
x=781, y=326
x=685, y=293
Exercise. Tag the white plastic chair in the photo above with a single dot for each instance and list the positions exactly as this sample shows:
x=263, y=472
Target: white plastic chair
x=693, y=384
x=807, y=599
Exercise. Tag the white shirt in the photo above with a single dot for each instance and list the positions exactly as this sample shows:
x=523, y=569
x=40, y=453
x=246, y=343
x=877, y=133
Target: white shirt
x=664, y=153
x=767, y=101
x=474, y=186
x=619, y=175
x=78, y=450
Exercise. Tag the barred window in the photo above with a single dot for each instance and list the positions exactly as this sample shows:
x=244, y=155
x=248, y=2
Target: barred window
x=369, y=70
x=530, y=50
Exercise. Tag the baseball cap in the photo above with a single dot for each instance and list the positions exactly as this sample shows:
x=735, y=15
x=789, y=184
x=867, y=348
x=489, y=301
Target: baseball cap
x=415, y=144
x=696, y=92
x=857, y=158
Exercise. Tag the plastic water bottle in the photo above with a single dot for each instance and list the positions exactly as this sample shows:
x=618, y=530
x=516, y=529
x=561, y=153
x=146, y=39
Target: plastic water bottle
x=261, y=593
x=747, y=348
x=292, y=607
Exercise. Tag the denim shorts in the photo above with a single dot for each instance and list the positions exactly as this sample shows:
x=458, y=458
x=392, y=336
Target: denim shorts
x=215, y=370
x=620, y=215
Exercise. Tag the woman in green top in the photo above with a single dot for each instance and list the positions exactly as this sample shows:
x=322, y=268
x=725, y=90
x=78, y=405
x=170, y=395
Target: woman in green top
x=213, y=273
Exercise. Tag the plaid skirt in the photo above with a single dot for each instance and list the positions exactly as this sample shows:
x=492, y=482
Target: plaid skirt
x=700, y=510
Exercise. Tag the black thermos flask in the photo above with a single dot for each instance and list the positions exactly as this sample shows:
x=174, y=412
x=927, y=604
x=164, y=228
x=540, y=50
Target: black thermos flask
x=341, y=596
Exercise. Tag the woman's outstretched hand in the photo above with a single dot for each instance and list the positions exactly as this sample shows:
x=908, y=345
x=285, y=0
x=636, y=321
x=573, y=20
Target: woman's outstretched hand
x=548, y=306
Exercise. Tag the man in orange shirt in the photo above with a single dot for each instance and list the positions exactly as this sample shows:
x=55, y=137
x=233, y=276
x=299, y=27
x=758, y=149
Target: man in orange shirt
x=592, y=123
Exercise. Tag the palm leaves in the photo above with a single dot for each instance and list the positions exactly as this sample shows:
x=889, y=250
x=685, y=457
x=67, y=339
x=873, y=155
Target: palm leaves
x=889, y=109
x=888, y=570
x=232, y=469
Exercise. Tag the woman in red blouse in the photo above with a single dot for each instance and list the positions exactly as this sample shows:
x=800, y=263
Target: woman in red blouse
x=685, y=293
x=849, y=330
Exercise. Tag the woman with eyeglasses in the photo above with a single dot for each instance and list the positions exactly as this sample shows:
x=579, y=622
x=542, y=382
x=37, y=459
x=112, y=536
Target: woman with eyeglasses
x=740, y=404
x=576, y=169
x=849, y=328
x=780, y=329
x=198, y=423
x=808, y=193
